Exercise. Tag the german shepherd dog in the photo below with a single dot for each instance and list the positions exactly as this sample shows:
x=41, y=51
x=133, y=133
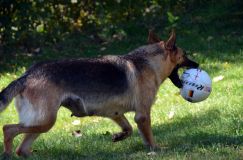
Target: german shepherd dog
x=108, y=86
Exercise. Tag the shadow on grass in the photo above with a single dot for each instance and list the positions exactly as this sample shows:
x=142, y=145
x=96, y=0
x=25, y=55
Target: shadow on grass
x=218, y=49
x=196, y=131
x=179, y=136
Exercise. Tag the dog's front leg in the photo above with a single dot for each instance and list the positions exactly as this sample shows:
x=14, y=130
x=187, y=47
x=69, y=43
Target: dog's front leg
x=125, y=126
x=143, y=121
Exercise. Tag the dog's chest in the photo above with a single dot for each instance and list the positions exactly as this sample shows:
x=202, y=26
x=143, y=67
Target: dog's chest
x=111, y=110
x=108, y=108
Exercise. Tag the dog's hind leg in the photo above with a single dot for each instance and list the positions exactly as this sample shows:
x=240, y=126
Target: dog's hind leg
x=12, y=130
x=35, y=117
x=25, y=148
x=125, y=126
x=9, y=132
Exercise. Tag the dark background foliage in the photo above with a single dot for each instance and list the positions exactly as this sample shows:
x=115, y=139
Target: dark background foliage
x=34, y=23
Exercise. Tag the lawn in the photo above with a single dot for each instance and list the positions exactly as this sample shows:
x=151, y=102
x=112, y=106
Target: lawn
x=212, y=129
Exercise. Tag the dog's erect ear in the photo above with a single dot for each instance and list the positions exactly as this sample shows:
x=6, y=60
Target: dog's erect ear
x=170, y=43
x=152, y=38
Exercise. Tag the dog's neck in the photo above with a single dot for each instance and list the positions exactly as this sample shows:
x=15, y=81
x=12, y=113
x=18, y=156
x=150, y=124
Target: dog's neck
x=162, y=67
x=165, y=64
x=158, y=58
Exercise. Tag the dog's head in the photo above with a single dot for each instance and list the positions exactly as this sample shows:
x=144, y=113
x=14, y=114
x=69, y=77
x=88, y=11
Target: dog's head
x=176, y=54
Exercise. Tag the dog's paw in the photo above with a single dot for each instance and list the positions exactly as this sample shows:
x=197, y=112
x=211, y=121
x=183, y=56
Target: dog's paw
x=120, y=136
x=157, y=148
x=154, y=148
x=24, y=153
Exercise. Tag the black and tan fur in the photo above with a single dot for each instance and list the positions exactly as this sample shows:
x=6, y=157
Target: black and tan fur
x=109, y=86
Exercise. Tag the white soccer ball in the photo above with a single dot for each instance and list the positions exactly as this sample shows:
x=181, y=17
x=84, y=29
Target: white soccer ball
x=197, y=85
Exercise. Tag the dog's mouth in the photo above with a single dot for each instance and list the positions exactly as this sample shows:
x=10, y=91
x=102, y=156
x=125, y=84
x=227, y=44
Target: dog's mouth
x=188, y=63
x=174, y=77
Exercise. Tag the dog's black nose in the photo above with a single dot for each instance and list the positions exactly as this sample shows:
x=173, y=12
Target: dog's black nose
x=190, y=64
x=194, y=65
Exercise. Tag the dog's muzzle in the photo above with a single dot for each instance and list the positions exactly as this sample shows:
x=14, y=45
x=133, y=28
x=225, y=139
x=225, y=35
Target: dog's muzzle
x=189, y=63
x=174, y=77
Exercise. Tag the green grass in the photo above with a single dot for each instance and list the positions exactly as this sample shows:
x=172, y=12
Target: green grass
x=212, y=129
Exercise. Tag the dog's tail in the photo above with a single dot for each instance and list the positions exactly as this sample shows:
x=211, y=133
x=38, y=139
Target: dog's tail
x=12, y=90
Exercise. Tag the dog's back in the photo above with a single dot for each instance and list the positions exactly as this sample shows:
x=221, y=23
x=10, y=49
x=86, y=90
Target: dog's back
x=84, y=76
